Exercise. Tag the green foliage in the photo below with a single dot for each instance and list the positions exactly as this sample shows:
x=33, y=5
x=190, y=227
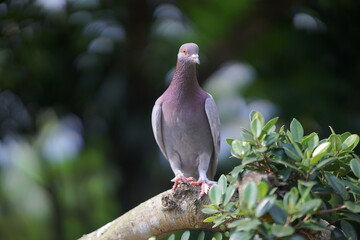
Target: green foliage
x=316, y=179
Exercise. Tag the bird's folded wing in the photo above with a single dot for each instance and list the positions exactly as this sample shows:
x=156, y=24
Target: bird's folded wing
x=214, y=121
x=157, y=129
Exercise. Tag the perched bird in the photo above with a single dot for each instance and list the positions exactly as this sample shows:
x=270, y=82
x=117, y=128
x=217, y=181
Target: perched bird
x=186, y=124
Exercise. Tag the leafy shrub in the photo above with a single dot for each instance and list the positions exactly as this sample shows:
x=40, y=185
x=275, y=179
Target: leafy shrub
x=316, y=184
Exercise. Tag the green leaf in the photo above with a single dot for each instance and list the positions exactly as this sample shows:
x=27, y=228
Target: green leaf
x=249, y=195
x=281, y=230
x=239, y=148
x=270, y=124
x=344, y=136
x=278, y=214
x=252, y=114
x=229, y=141
x=353, y=188
x=351, y=142
x=246, y=135
x=172, y=237
x=210, y=219
x=348, y=229
x=229, y=193
x=217, y=236
x=310, y=206
x=313, y=141
x=313, y=226
x=355, y=167
x=335, y=142
x=324, y=163
x=321, y=149
x=245, y=224
x=352, y=216
x=250, y=159
x=263, y=189
x=222, y=183
x=256, y=127
x=265, y=205
x=235, y=172
x=215, y=194
x=241, y=235
x=290, y=200
x=270, y=139
x=286, y=164
x=296, y=130
x=291, y=152
x=353, y=207
x=185, y=235
x=209, y=210
x=201, y=236
x=337, y=185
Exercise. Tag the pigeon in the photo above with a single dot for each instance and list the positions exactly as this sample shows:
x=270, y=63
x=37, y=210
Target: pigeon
x=186, y=124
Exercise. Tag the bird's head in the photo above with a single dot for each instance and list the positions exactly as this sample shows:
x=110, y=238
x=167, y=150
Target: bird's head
x=189, y=52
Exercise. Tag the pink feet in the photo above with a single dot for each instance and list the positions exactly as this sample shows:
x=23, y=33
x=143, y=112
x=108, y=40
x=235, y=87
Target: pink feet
x=178, y=179
x=205, y=186
x=204, y=183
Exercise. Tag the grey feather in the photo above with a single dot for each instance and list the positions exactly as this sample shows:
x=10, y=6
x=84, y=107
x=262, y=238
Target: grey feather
x=214, y=121
x=156, y=126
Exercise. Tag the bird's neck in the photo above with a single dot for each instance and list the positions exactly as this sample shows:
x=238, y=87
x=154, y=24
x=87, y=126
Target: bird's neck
x=184, y=81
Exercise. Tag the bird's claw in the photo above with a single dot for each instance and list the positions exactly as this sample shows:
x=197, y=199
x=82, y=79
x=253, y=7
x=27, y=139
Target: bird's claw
x=205, y=186
x=183, y=179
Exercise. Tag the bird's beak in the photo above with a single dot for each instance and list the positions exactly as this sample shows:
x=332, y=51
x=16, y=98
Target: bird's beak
x=195, y=58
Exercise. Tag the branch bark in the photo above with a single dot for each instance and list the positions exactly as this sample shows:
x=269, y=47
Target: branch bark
x=159, y=216
x=172, y=211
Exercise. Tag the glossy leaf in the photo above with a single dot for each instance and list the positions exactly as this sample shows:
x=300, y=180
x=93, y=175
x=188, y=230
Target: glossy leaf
x=348, y=230
x=263, y=189
x=281, y=230
x=245, y=224
x=270, y=124
x=321, y=149
x=335, y=142
x=229, y=193
x=222, y=183
x=290, y=151
x=241, y=235
x=351, y=142
x=209, y=210
x=310, y=206
x=313, y=141
x=265, y=205
x=313, y=226
x=201, y=236
x=353, y=207
x=336, y=184
x=210, y=219
x=229, y=141
x=215, y=194
x=185, y=235
x=217, y=236
x=355, y=167
x=256, y=127
x=249, y=194
x=278, y=214
x=296, y=130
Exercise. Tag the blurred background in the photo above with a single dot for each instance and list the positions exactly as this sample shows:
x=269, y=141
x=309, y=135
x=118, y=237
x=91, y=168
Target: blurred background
x=78, y=80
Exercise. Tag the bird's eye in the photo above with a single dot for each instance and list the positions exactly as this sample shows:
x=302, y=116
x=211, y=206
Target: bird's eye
x=183, y=51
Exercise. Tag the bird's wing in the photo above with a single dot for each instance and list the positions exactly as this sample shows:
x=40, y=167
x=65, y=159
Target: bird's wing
x=214, y=121
x=157, y=128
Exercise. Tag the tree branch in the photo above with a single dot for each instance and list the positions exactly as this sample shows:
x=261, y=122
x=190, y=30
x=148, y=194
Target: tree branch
x=172, y=211
x=159, y=216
